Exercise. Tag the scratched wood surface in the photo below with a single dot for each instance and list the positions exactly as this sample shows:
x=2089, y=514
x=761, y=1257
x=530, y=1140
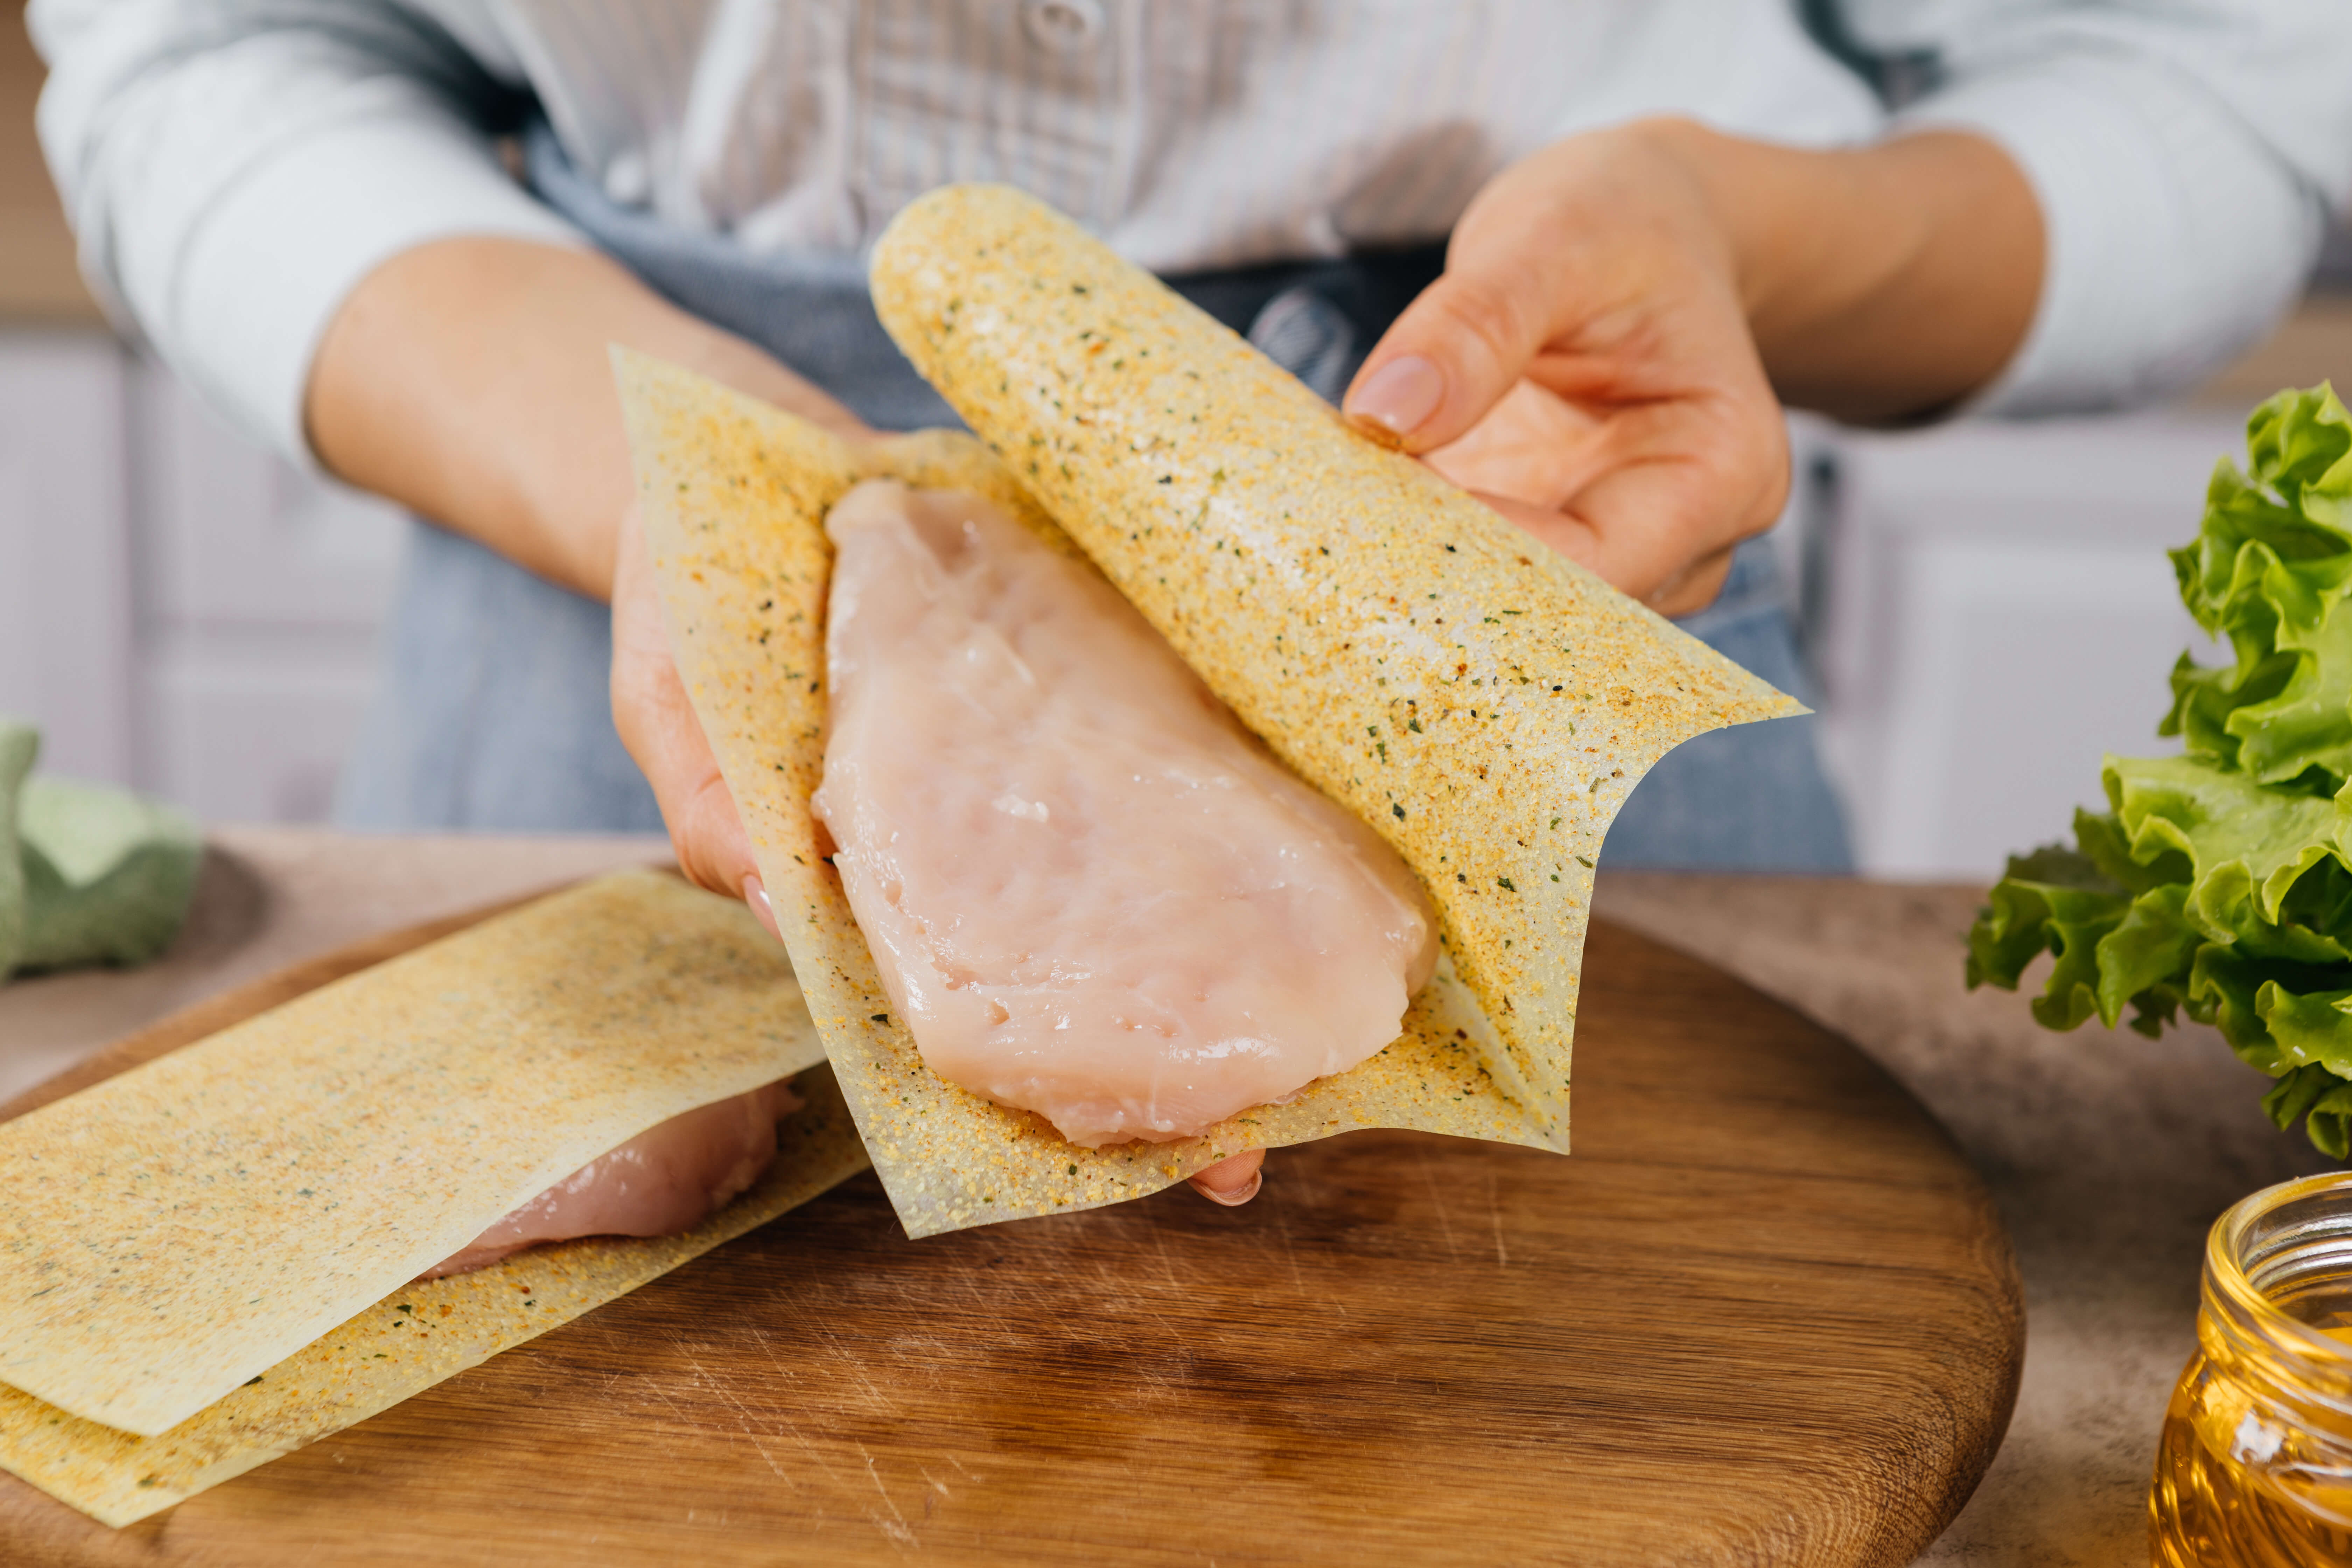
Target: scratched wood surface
x=1766, y=1314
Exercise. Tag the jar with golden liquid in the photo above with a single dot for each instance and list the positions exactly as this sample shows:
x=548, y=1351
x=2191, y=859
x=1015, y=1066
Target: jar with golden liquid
x=2255, y=1467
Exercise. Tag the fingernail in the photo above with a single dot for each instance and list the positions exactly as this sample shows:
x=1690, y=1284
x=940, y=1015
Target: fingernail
x=1233, y=1198
x=755, y=893
x=1400, y=395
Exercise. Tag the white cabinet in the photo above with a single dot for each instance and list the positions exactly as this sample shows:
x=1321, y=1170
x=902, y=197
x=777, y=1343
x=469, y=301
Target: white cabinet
x=178, y=610
x=2000, y=612
x=236, y=538
x=241, y=734
x=66, y=603
x=261, y=591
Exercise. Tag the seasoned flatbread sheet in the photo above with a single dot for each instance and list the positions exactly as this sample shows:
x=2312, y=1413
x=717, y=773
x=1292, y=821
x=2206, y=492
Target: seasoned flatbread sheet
x=405, y=1343
x=734, y=495
x=173, y=1232
x=1484, y=702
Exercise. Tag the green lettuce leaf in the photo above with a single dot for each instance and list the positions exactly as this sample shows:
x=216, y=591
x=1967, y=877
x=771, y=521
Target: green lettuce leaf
x=2100, y=838
x=2053, y=900
x=2218, y=884
x=2268, y=569
x=2145, y=958
x=2324, y=1100
x=2189, y=818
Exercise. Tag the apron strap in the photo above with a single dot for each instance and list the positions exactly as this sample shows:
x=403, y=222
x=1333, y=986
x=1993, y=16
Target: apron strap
x=1318, y=319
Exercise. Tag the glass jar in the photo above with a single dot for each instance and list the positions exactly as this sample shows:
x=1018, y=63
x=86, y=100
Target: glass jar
x=2255, y=1465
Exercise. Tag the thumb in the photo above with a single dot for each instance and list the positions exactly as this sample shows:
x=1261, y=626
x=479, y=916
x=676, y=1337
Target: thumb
x=1454, y=352
x=657, y=724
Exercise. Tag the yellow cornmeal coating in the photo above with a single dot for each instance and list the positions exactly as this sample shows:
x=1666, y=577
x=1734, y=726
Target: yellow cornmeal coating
x=734, y=495
x=173, y=1231
x=1483, y=701
x=403, y=1344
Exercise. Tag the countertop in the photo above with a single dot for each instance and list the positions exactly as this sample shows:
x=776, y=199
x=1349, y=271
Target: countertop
x=2109, y=1154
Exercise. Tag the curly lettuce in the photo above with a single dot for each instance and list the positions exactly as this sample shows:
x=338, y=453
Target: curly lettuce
x=2218, y=884
x=2269, y=569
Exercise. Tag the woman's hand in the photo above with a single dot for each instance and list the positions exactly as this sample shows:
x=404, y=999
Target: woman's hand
x=657, y=724
x=1600, y=361
x=1585, y=366
x=469, y=379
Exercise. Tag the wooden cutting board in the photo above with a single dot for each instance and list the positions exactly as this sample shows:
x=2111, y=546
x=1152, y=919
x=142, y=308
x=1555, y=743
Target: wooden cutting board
x=1766, y=1314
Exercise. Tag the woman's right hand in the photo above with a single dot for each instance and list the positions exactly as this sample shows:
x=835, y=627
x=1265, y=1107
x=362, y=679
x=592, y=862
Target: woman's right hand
x=470, y=380
x=657, y=724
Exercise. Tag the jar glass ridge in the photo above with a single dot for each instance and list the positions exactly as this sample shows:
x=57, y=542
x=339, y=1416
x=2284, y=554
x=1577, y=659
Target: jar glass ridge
x=2255, y=1469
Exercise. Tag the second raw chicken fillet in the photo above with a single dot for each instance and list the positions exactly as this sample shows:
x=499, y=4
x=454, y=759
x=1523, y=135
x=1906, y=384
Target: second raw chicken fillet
x=1088, y=891
x=666, y=1180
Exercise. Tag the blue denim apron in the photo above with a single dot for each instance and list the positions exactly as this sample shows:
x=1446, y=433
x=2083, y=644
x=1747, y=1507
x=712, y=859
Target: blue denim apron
x=492, y=713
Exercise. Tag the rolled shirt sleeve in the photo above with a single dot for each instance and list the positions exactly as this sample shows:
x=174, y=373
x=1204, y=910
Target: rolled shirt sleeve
x=233, y=170
x=235, y=167
x=2188, y=157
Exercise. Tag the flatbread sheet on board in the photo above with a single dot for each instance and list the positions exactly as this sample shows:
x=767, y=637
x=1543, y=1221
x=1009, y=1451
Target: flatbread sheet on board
x=403, y=1345
x=177, y=1230
x=1484, y=703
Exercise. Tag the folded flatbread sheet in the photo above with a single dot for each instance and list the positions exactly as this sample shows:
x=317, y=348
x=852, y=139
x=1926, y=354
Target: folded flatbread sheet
x=205, y=1261
x=405, y=1343
x=1483, y=702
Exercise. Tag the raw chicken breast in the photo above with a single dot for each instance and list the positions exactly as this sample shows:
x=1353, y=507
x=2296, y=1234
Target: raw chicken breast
x=1089, y=891
x=663, y=1181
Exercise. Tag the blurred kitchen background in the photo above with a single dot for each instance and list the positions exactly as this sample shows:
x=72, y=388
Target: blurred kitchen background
x=1989, y=606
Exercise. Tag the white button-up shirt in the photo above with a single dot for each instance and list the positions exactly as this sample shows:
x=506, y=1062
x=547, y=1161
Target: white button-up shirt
x=234, y=167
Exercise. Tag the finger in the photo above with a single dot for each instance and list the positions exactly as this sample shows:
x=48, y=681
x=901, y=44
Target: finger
x=657, y=724
x=1466, y=341
x=1694, y=587
x=1233, y=1181
x=1695, y=480
x=1533, y=446
x=1652, y=499
x=1557, y=530
x=1666, y=580
x=1452, y=356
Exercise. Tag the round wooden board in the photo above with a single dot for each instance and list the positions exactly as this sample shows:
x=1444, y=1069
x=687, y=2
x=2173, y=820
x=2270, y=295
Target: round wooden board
x=1766, y=1314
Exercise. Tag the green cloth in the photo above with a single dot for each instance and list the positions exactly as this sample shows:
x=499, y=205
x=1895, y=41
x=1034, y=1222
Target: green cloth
x=88, y=874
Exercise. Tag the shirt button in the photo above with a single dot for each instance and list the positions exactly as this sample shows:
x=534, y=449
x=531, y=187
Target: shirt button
x=628, y=180
x=1067, y=26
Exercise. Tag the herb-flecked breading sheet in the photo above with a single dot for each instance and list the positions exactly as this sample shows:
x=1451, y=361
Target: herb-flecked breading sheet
x=402, y=1345
x=177, y=1230
x=1484, y=703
